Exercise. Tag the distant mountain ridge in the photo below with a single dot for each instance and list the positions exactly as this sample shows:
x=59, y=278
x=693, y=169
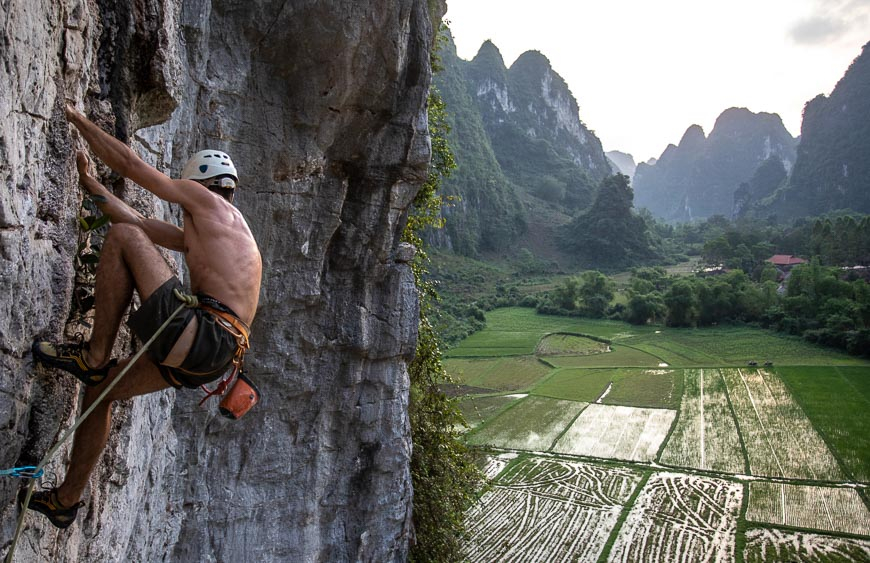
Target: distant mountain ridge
x=623, y=162
x=832, y=170
x=524, y=158
x=487, y=214
x=698, y=177
x=750, y=166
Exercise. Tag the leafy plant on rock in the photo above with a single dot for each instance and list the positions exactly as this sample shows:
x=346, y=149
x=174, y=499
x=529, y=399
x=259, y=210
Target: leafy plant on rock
x=90, y=242
x=444, y=476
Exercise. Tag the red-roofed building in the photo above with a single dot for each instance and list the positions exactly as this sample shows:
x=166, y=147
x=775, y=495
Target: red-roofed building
x=785, y=260
x=784, y=263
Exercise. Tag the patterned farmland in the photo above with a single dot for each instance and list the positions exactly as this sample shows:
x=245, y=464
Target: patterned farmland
x=779, y=439
x=705, y=436
x=548, y=510
x=817, y=508
x=680, y=519
x=617, y=433
x=764, y=545
x=495, y=464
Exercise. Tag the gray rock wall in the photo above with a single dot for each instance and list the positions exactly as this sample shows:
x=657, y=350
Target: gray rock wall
x=322, y=106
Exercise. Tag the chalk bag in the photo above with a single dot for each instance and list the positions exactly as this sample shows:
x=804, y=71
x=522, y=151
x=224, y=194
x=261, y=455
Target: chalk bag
x=240, y=398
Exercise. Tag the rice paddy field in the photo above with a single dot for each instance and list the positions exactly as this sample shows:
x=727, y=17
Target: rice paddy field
x=532, y=424
x=548, y=510
x=680, y=518
x=814, y=508
x=569, y=345
x=780, y=439
x=764, y=545
x=651, y=387
x=611, y=442
x=498, y=374
x=614, y=432
x=705, y=436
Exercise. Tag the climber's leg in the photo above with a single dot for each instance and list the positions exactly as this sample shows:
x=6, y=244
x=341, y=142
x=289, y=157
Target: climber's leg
x=128, y=259
x=91, y=437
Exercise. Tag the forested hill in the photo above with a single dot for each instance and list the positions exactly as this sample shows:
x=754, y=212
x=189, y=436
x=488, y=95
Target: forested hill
x=833, y=160
x=526, y=163
x=487, y=213
x=698, y=177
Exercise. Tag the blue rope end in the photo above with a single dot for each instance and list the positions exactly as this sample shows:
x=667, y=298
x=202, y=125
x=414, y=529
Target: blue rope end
x=25, y=472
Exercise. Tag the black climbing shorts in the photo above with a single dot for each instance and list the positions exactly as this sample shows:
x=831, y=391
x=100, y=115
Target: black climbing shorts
x=213, y=347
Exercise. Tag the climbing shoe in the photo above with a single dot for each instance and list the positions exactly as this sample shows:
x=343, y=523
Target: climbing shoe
x=46, y=502
x=69, y=357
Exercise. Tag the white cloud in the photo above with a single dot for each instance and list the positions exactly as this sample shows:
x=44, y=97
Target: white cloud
x=832, y=21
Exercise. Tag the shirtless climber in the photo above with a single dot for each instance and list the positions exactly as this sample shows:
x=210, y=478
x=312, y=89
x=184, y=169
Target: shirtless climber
x=199, y=345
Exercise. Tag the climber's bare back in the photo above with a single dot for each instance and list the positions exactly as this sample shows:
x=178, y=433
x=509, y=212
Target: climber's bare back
x=221, y=254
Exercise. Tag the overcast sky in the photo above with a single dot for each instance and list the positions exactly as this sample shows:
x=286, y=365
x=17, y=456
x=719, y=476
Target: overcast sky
x=643, y=71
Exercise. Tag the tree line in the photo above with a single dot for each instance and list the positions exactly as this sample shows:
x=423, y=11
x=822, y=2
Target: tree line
x=824, y=304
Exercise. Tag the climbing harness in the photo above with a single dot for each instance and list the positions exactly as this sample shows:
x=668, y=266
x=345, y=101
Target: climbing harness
x=37, y=471
x=243, y=394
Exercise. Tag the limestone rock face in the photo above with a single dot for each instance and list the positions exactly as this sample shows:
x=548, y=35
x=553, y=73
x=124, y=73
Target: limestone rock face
x=533, y=97
x=322, y=107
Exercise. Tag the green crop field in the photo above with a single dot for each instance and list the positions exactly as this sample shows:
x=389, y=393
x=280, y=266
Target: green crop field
x=496, y=343
x=576, y=384
x=513, y=373
x=568, y=344
x=674, y=353
x=532, y=424
x=522, y=320
x=655, y=387
x=859, y=377
x=800, y=428
x=619, y=356
x=477, y=410
x=837, y=402
x=740, y=345
x=632, y=387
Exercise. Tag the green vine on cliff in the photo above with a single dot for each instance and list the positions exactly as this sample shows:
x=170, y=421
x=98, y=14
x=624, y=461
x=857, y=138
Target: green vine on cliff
x=90, y=242
x=444, y=475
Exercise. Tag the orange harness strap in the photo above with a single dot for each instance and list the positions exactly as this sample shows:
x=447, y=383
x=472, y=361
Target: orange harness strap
x=241, y=332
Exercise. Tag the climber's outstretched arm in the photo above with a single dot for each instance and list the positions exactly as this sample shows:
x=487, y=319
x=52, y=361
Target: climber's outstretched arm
x=160, y=232
x=121, y=158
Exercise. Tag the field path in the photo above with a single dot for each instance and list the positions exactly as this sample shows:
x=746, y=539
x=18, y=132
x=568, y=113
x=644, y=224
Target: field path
x=703, y=423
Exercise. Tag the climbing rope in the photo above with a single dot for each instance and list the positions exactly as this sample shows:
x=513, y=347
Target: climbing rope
x=34, y=472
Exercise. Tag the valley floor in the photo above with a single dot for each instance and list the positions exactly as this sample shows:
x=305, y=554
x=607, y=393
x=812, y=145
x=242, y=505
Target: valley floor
x=663, y=444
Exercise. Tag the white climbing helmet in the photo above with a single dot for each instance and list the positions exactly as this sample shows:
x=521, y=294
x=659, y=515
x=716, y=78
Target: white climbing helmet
x=208, y=164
